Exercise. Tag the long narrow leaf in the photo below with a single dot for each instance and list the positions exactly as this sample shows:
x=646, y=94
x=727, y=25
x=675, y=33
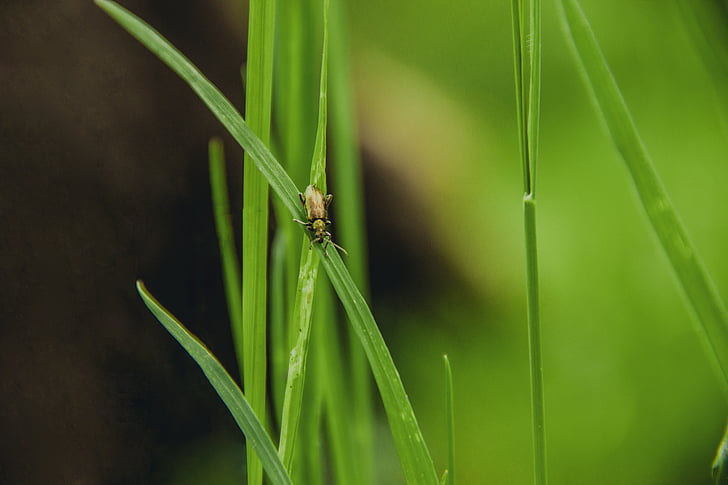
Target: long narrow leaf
x=223, y=225
x=350, y=232
x=695, y=282
x=258, y=99
x=225, y=387
x=414, y=455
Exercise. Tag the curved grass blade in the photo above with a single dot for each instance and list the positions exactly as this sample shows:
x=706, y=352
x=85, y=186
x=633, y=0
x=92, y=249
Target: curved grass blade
x=414, y=456
x=694, y=280
x=225, y=387
x=223, y=109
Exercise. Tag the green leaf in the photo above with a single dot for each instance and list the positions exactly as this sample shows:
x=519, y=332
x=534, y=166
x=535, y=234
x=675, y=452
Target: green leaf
x=225, y=387
x=415, y=457
x=694, y=280
x=307, y=276
x=258, y=100
x=526, y=25
x=450, y=420
x=720, y=464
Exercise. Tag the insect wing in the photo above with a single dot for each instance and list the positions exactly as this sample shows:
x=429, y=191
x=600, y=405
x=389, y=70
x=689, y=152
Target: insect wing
x=315, y=203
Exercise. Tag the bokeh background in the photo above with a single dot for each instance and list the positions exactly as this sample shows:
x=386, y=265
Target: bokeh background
x=103, y=179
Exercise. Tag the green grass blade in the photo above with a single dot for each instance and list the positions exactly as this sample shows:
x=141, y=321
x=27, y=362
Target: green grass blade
x=308, y=273
x=338, y=396
x=258, y=99
x=720, y=464
x=350, y=228
x=696, y=284
x=534, y=342
x=414, y=455
x=293, y=397
x=450, y=419
x=528, y=108
x=521, y=116
x=278, y=310
x=223, y=225
x=225, y=387
x=707, y=21
x=223, y=110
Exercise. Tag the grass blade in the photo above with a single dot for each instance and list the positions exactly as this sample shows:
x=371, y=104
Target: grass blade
x=223, y=225
x=308, y=273
x=720, y=463
x=350, y=231
x=223, y=109
x=695, y=282
x=414, y=455
x=528, y=108
x=707, y=22
x=258, y=99
x=293, y=397
x=225, y=387
x=450, y=419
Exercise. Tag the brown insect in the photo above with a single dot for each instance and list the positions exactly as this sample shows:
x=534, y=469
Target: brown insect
x=317, y=212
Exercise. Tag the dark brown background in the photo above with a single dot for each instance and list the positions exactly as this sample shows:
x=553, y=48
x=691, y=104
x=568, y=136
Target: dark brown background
x=103, y=180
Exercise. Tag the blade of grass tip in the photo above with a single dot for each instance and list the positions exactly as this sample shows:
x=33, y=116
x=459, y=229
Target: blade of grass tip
x=696, y=284
x=303, y=304
x=414, y=455
x=450, y=420
x=225, y=387
x=258, y=99
x=350, y=231
x=223, y=225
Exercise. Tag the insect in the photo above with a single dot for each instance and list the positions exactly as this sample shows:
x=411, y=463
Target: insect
x=317, y=212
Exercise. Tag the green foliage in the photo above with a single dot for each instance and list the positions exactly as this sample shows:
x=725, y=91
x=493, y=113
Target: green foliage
x=225, y=387
x=414, y=455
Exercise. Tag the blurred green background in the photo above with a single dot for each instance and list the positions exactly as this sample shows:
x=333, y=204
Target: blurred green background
x=104, y=181
x=630, y=395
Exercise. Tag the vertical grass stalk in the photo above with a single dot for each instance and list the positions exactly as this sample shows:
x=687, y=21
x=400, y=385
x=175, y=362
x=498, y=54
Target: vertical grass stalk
x=450, y=420
x=527, y=60
x=303, y=304
x=350, y=230
x=258, y=98
x=223, y=225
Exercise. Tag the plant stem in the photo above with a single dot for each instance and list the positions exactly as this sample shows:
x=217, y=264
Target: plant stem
x=258, y=95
